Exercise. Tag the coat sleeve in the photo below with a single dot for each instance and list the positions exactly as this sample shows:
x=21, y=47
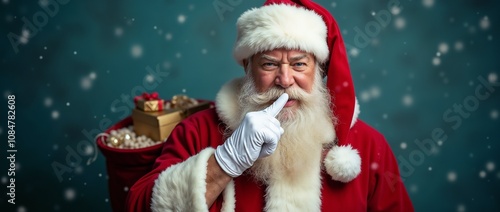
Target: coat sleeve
x=177, y=181
x=388, y=193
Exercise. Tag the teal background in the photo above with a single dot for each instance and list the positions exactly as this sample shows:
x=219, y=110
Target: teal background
x=78, y=74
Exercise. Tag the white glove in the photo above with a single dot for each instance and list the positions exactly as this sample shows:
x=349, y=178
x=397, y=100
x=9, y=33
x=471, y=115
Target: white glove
x=256, y=137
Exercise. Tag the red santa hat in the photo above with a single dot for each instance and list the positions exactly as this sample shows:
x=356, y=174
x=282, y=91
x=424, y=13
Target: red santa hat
x=306, y=26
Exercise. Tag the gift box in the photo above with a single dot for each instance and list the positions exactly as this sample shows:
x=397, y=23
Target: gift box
x=150, y=105
x=159, y=124
x=149, y=102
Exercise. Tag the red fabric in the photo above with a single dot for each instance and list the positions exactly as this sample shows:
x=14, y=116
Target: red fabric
x=378, y=189
x=125, y=166
x=339, y=81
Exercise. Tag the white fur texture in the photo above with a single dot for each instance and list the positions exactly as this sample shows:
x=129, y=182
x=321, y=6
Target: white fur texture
x=343, y=163
x=280, y=26
x=182, y=187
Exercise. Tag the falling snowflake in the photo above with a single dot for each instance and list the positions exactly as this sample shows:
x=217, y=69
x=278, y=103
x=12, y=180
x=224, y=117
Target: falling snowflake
x=86, y=83
x=400, y=23
x=461, y=208
x=125, y=188
x=55, y=114
x=92, y=75
x=459, y=46
x=5, y=1
x=403, y=145
x=4, y=179
x=167, y=65
x=428, y=3
x=436, y=61
x=333, y=4
x=384, y=116
x=204, y=51
x=452, y=177
x=41, y=57
x=492, y=77
x=79, y=169
x=373, y=13
x=413, y=188
x=375, y=92
x=365, y=96
x=407, y=100
x=150, y=78
x=136, y=51
x=181, y=19
x=67, y=104
x=354, y=52
x=395, y=10
x=118, y=31
x=490, y=166
x=494, y=114
x=484, y=23
x=430, y=168
x=21, y=209
x=25, y=35
x=178, y=55
x=75, y=52
x=168, y=36
x=47, y=102
x=69, y=194
x=1, y=130
x=482, y=174
x=443, y=48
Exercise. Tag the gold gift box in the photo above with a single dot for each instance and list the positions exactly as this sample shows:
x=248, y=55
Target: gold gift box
x=150, y=105
x=158, y=125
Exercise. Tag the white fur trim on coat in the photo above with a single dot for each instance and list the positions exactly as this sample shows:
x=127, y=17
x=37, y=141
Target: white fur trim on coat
x=182, y=187
x=280, y=26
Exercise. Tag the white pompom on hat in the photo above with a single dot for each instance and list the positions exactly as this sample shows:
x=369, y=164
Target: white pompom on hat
x=305, y=25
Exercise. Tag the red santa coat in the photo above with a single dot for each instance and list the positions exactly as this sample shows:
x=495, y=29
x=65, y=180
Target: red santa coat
x=177, y=181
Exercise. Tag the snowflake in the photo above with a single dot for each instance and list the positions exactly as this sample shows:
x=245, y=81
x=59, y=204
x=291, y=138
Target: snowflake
x=86, y=83
x=21, y=209
x=92, y=75
x=374, y=166
x=484, y=23
x=395, y=10
x=492, y=77
x=55, y=114
x=407, y=100
x=400, y=23
x=67, y=104
x=4, y=179
x=204, y=51
x=428, y=3
x=181, y=19
x=452, y=177
x=47, y=102
x=461, y=208
x=150, y=78
x=75, y=52
x=118, y=31
x=403, y=145
x=443, y=48
x=490, y=166
x=168, y=36
x=136, y=51
x=482, y=174
x=436, y=61
x=69, y=194
x=494, y=114
x=459, y=46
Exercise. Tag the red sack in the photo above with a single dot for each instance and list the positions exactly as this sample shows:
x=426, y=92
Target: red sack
x=125, y=166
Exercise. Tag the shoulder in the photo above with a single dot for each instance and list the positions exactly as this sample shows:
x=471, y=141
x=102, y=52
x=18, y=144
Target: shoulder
x=367, y=139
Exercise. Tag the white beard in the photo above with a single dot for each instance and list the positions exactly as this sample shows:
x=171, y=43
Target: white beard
x=307, y=129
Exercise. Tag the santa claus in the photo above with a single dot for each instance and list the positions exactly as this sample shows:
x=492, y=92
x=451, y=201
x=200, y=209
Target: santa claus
x=280, y=138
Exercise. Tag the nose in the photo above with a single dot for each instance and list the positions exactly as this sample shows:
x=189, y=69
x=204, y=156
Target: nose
x=284, y=76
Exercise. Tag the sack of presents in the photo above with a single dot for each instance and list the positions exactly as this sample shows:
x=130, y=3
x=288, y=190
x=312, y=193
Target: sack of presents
x=132, y=145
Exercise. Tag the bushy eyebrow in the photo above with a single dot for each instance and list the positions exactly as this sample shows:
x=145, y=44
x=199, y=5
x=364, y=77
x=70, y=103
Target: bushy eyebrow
x=267, y=57
x=292, y=59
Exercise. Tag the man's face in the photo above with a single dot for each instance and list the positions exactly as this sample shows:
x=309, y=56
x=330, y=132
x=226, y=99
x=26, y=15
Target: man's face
x=285, y=69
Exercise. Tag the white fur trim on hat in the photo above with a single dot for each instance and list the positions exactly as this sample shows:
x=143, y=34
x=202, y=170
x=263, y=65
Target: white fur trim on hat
x=280, y=26
x=343, y=163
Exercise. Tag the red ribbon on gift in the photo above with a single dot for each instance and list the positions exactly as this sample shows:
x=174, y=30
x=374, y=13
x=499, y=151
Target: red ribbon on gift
x=147, y=97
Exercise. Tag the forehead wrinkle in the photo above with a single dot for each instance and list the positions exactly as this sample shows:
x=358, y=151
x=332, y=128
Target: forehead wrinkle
x=298, y=57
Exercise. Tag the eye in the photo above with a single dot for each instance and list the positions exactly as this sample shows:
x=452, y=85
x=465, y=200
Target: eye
x=269, y=66
x=299, y=64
